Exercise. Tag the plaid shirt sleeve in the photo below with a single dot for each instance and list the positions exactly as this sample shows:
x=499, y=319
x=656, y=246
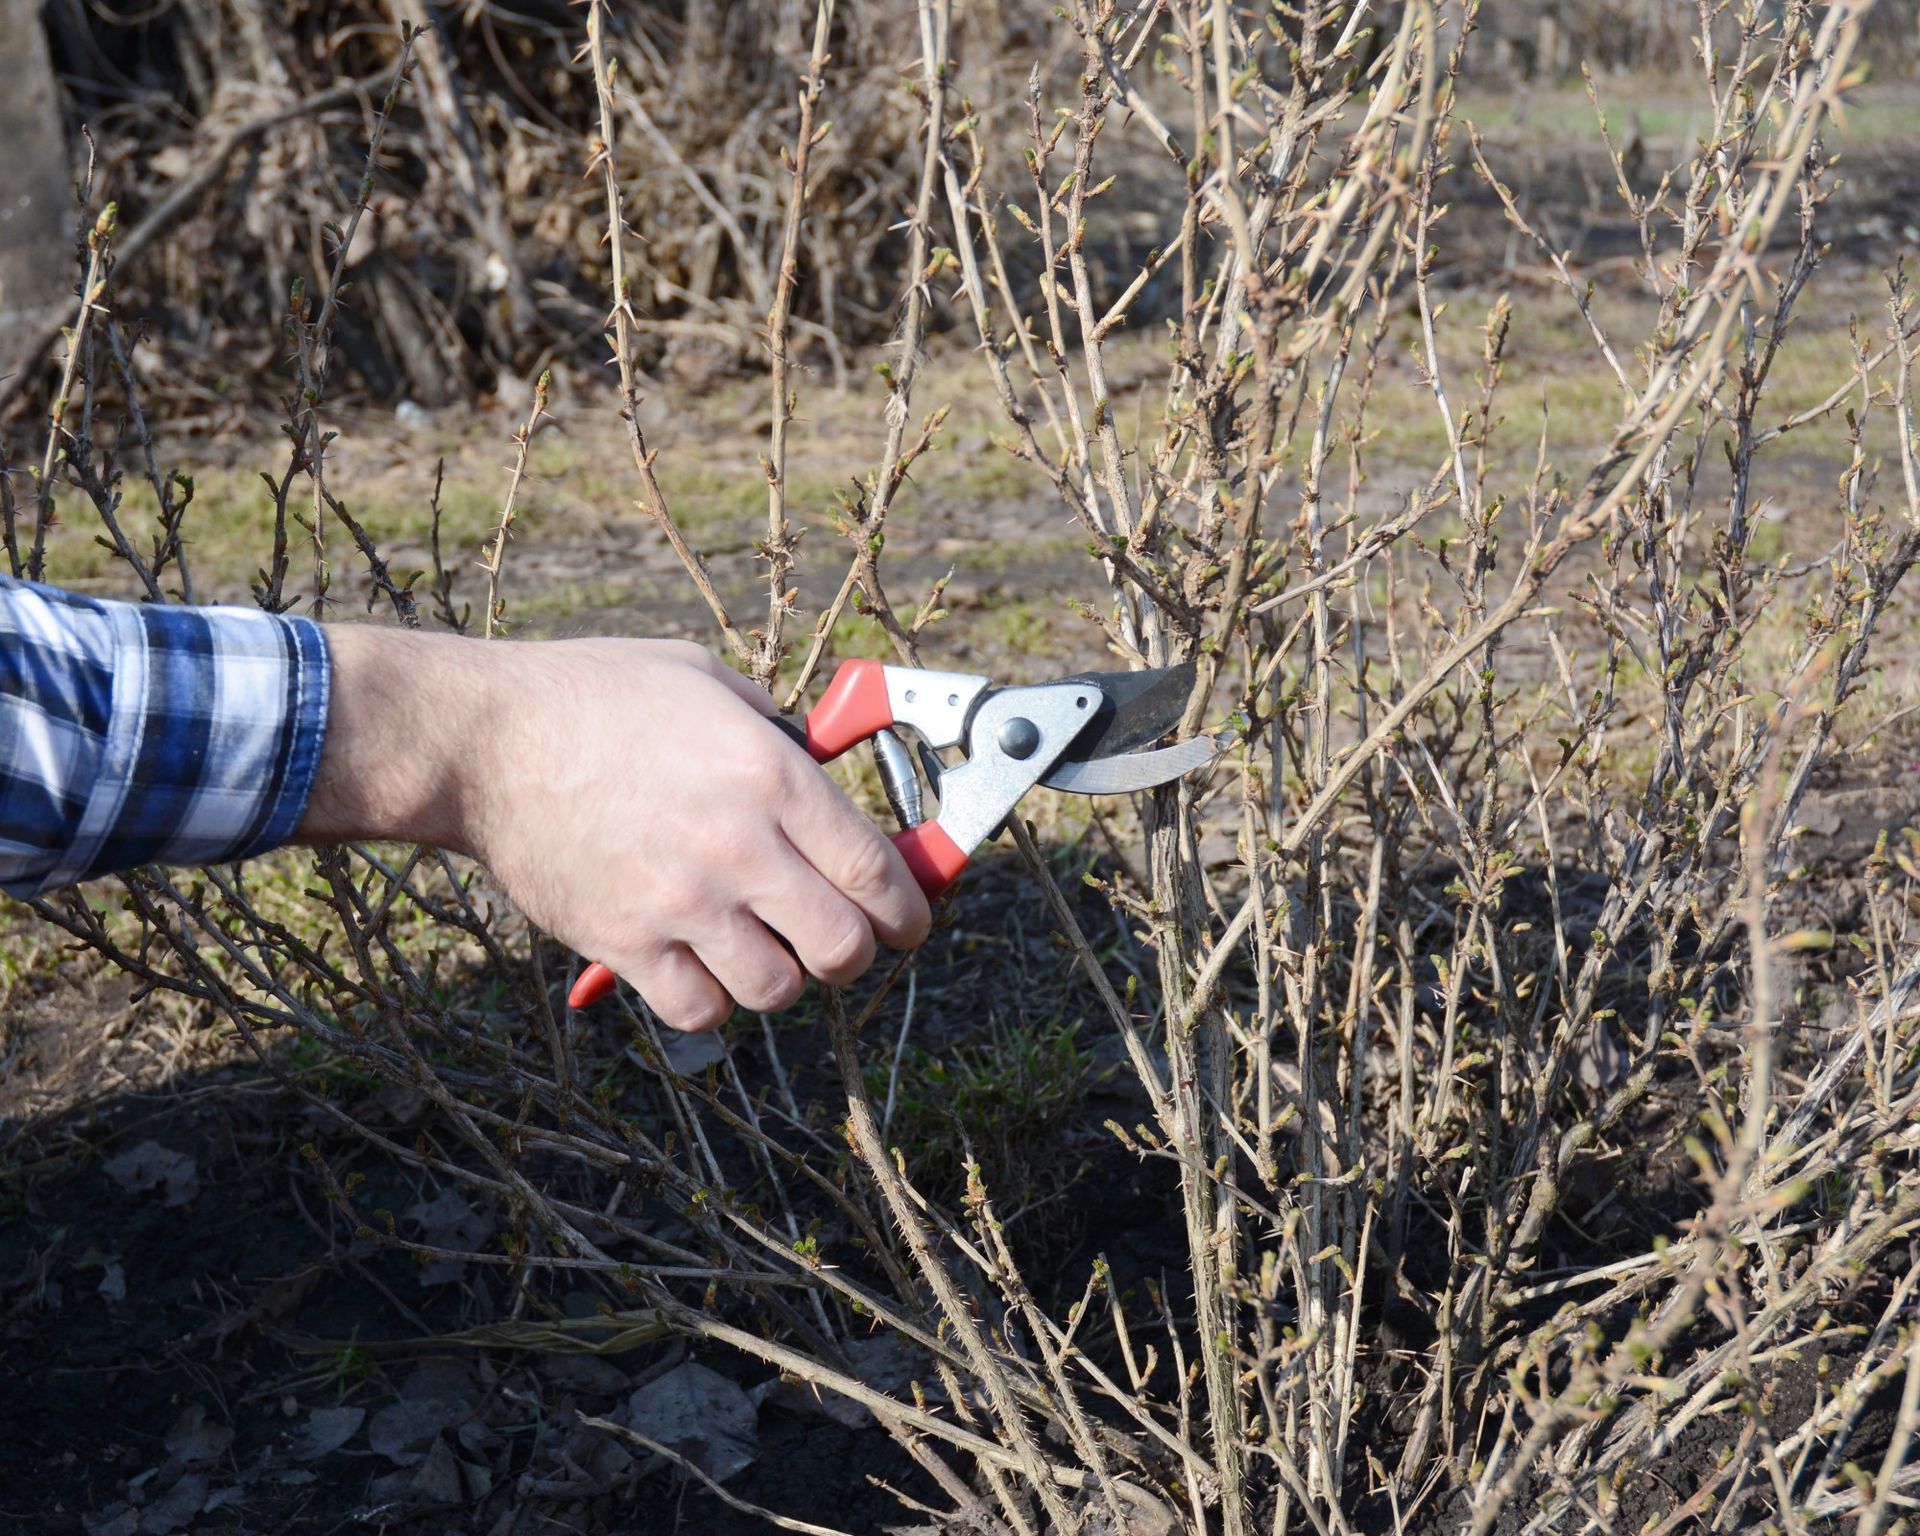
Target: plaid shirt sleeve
x=145, y=734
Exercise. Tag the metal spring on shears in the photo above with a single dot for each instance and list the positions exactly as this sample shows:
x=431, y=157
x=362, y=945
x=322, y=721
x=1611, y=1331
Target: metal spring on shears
x=898, y=778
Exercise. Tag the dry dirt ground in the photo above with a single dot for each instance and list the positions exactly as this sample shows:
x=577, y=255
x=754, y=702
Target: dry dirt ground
x=192, y=1340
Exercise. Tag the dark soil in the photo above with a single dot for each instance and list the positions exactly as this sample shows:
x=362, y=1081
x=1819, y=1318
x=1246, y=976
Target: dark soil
x=1688, y=1484
x=158, y=1357
x=169, y=1354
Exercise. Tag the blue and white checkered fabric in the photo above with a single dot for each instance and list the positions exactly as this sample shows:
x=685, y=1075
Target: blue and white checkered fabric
x=143, y=734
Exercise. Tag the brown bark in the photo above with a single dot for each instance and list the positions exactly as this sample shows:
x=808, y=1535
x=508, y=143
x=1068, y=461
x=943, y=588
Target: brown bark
x=36, y=222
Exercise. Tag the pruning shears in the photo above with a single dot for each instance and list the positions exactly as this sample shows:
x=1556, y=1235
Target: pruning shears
x=1091, y=734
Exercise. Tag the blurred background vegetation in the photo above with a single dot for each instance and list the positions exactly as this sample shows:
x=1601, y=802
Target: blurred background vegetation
x=231, y=134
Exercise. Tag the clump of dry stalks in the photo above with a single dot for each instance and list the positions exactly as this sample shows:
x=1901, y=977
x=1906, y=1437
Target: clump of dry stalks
x=1473, y=953
x=481, y=253
x=230, y=133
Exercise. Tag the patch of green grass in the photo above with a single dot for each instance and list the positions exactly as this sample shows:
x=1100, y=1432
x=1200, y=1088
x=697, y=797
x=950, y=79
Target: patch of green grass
x=707, y=502
x=320, y=1067
x=541, y=608
x=229, y=526
x=1768, y=543
x=999, y=1100
x=1553, y=365
x=345, y=1370
x=27, y=950
x=1672, y=110
x=862, y=635
x=1023, y=625
x=1561, y=113
x=994, y=557
x=721, y=508
x=987, y=473
x=228, y=529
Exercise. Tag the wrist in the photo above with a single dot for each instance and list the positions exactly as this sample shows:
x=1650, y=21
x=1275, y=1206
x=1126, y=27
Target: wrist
x=407, y=728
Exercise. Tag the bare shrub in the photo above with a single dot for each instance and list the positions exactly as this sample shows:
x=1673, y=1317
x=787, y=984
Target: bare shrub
x=1527, y=734
x=481, y=250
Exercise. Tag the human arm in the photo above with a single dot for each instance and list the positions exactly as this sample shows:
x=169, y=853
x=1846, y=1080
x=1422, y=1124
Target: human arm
x=627, y=794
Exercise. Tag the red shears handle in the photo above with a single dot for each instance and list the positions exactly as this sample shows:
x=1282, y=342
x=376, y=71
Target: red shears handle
x=855, y=706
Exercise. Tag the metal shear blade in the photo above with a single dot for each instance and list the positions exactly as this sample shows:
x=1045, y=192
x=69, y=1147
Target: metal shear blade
x=1136, y=709
x=1132, y=771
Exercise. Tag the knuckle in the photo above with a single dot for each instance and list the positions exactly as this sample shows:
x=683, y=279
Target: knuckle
x=779, y=988
x=764, y=772
x=913, y=932
x=728, y=847
x=867, y=864
x=786, y=992
x=844, y=954
x=681, y=997
x=694, y=1018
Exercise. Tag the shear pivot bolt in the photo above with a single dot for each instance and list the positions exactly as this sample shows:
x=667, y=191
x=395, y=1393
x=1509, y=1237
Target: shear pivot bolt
x=1019, y=737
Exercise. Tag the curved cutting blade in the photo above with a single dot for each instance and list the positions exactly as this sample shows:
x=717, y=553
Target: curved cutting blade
x=1131, y=771
x=1136, y=710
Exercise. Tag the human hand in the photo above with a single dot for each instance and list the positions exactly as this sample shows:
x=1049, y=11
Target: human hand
x=633, y=801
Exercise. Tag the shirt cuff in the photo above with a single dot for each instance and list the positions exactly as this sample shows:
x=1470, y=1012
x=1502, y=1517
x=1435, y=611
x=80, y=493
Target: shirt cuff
x=217, y=723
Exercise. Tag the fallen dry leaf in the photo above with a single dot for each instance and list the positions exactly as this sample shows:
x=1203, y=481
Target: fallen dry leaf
x=195, y=1439
x=113, y=1282
x=700, y=1414
x=176, y=1507
x=326, y=1430
x=447, y=1221
x=150, y=1167
x=434, y=1398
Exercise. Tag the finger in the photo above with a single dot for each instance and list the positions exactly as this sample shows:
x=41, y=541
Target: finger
x=751, y=964
x=681, y=991
x=829, y=831
x=829, y=934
